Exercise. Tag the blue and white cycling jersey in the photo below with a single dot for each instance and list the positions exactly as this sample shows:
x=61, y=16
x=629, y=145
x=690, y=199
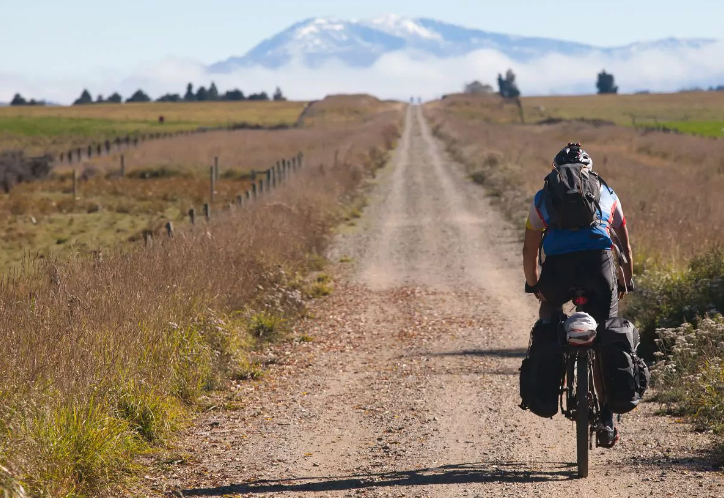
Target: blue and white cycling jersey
x=598, y=237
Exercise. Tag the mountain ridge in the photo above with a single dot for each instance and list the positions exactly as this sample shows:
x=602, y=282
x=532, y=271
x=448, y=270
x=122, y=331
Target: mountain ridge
x=360, y=43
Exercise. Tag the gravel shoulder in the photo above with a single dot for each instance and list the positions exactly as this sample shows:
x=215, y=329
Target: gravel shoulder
x=410, y=385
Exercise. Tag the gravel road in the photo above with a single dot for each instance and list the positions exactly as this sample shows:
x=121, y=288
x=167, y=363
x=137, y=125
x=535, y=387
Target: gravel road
x=410, y=384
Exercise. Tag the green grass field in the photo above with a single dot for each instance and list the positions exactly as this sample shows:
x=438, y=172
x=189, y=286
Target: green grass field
x=52, y=129
x=690, y=112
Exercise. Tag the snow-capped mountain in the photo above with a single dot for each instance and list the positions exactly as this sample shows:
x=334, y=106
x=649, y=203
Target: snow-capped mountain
x=360, y=43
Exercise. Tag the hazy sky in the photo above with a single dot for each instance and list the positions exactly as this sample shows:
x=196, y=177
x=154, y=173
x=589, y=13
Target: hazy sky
x=52, y=49
x=75, y=37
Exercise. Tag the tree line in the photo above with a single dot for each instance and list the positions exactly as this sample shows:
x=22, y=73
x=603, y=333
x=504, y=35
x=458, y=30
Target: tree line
x=508, y=88
x=202, y=94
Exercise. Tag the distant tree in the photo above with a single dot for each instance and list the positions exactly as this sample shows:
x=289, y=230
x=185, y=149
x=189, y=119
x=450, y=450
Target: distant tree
x=476, y=87
x=202, y=94
x=169, y=97
x=258, y=96
x=114, y=99
x=507, y=87
x=235, y=94
x=99, y=99
x=18, y=100
x=278, y=95
x=190, y=96
x=213, y=93
x=605, y=83
x=85, y=98
x=139, y=96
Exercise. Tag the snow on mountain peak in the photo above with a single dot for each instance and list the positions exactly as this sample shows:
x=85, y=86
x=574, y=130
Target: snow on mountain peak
x=402, y=26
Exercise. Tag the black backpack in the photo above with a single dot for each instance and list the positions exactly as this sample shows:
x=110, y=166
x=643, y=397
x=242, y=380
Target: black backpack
x=572, y=195
x=625, y=375
x=542, y=370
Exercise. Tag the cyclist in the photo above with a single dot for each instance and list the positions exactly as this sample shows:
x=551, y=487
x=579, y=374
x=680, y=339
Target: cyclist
x=578, y=256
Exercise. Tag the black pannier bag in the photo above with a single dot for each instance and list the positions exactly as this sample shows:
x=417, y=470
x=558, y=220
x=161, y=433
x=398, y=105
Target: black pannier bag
x=542, y=369
x=625, y=375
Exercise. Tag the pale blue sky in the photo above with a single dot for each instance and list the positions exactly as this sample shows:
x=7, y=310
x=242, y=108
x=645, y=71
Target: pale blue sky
x=59, y=38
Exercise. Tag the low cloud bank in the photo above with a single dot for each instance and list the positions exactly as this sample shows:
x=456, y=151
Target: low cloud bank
x=401, y=75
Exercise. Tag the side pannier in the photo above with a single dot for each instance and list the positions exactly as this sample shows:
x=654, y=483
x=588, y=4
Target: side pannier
x=542, y=369
x=625, y=375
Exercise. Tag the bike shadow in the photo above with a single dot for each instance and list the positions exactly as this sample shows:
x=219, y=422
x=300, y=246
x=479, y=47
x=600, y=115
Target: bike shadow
x=467, y=473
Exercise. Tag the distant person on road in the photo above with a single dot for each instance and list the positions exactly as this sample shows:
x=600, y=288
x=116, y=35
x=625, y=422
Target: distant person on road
x=578, y=254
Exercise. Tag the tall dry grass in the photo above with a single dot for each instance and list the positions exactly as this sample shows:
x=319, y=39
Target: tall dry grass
x=103, y=355
x=669, y=184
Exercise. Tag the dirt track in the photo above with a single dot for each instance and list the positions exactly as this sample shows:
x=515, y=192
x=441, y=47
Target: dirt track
x=410, y=387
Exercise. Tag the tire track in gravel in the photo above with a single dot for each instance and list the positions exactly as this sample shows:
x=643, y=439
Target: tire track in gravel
x=410, y=387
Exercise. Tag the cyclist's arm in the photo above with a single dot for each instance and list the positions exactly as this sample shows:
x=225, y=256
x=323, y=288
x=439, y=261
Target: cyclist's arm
x=621, y=230
x=627, y=267
x=530, y=255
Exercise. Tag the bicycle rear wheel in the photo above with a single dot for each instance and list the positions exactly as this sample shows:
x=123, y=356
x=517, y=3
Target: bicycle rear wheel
x=582, y=433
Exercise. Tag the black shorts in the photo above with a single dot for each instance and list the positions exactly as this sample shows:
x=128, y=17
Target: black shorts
x=593, y=271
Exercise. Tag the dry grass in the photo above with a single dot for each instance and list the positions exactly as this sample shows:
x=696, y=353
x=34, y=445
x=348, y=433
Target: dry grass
x=58, y=129
x=102, y=354
x=669, y=184
x=700, y=113
x=41, y=218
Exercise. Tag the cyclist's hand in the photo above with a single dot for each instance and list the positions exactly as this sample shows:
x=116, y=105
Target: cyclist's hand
x=624, y=288
x=533, y=289
x=621, y=290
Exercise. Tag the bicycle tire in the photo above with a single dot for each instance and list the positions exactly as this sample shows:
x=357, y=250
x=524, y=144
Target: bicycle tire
x=582, y=433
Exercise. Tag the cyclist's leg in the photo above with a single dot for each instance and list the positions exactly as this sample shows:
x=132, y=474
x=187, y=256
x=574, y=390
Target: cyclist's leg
x=554, y=284
x=603, y=304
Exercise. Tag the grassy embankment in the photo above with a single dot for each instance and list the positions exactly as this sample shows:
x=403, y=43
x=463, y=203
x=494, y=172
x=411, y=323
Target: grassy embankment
x=104, y=356
x=670, y=186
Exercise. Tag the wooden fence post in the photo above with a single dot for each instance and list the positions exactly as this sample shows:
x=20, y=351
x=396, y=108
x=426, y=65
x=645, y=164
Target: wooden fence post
x=301, y=159
x=253, y=190
x=75, y=184
x=261, y=185
x=213, y=183
x=207, y=211
x=90, y=151
x=192, y=216
x=248, y=196
x=123, y=165
x=268, y=179
x=216, y=167
x=169, y=229
x=78, y=153
x=273, y=177
x=294, y=163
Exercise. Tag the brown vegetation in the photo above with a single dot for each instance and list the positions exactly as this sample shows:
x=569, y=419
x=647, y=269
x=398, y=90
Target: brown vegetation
x=102, y=354
x=669, y=184
x=165, y=178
